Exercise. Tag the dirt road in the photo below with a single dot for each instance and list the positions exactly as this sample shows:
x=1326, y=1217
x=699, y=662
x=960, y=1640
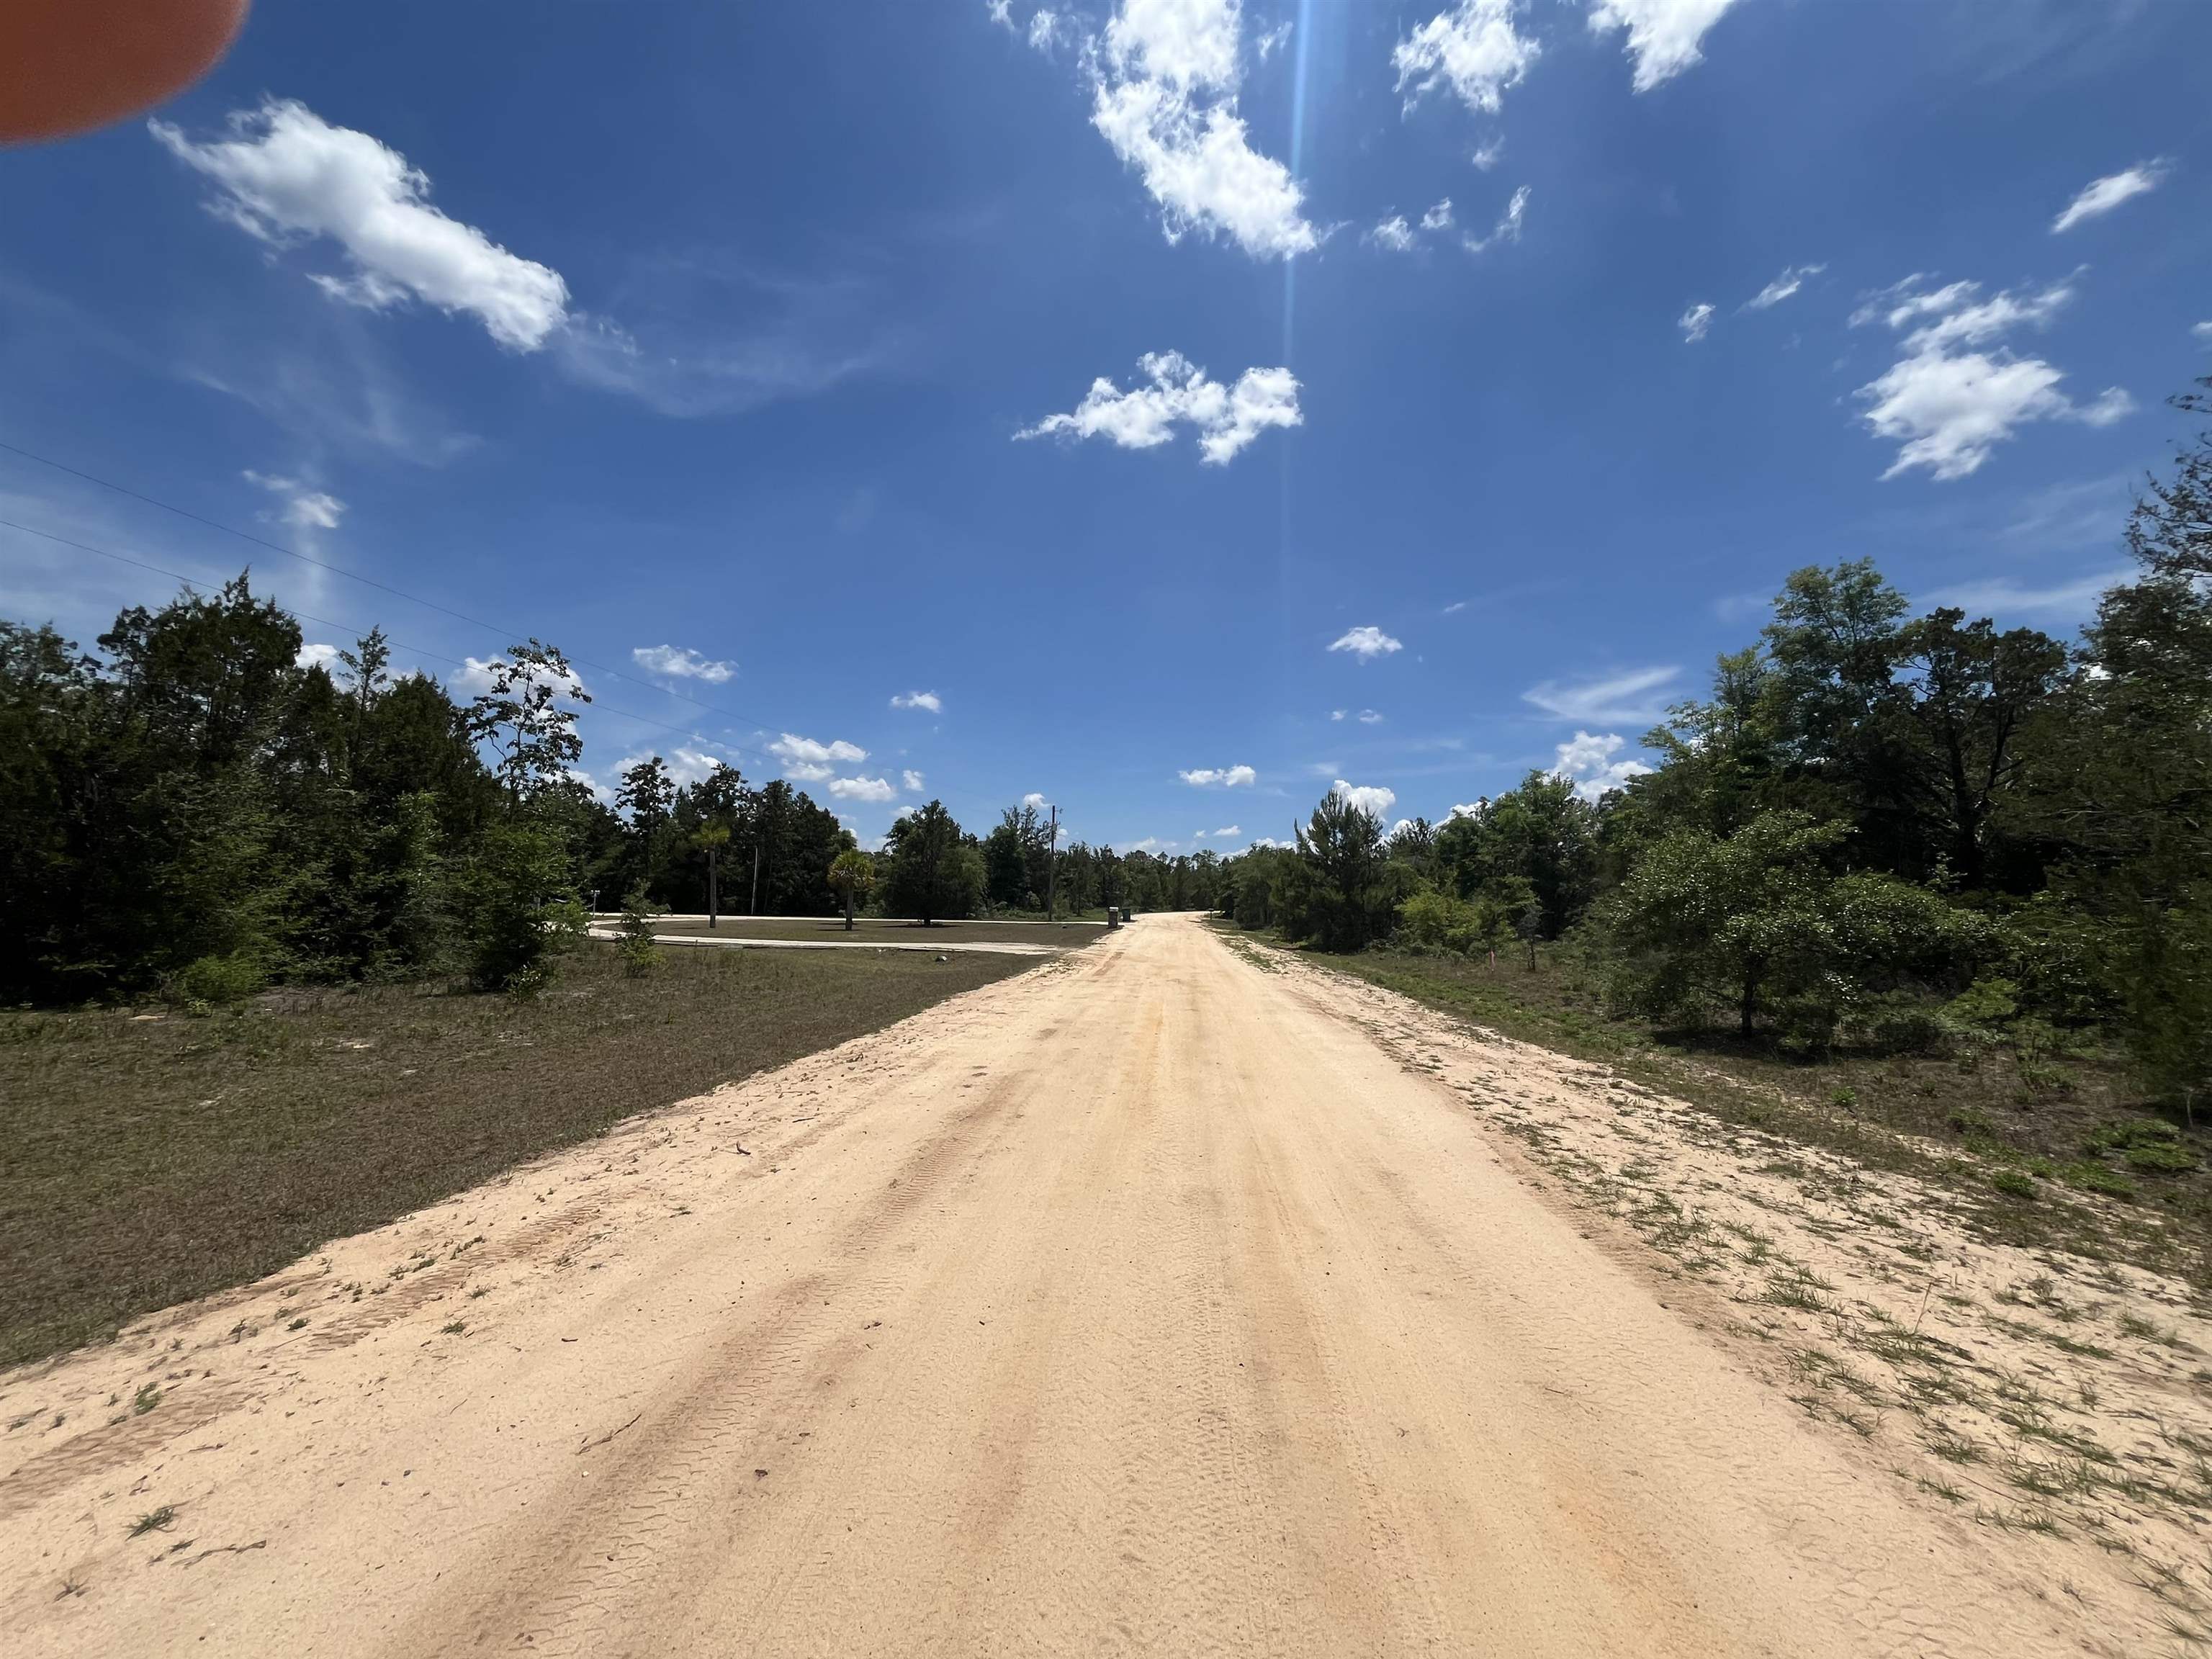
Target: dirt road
x=1142, y=1303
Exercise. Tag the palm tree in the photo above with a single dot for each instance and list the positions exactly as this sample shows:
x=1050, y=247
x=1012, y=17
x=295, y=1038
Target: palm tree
x=711, y=838
x=853, y=873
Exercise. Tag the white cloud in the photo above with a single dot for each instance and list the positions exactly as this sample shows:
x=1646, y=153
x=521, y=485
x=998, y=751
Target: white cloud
x=1165, y=99
x=1036, y=799
x=1507, y=227
x=1223, y=777
x=1473, y=50
x=1586, y=760
x=685, y=766
x=1455, y=608
x=2203, y=331
x=1439, y=217
x=2101, y=196
x=1394, y=233
x=1624, y=697
x=1225, y=831
x=1227, y=417
x=1273, y=42
x=1791, y=279
x=928, y=699
x=910, y=780
x=811, y=762
x=1001, y=12
x=474, y=676
x=318, y=656
x=867, y=789
x=1371, y=798
x=1695, y=323
x=1948, y=406
x=1471, y=809
x=304, y=509
x=1366, y=643
x=1488, y=155
x=1369, y=717
x=681, y=663
x=1044, y=31
x=1663, y=35
x=1336, y=714
x=285, y=175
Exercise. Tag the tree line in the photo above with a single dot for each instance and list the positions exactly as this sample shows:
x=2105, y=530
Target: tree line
x=1875, y=821
x=192, y=810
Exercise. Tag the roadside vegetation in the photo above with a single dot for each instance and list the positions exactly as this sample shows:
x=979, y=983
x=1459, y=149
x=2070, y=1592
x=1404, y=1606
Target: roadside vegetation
x=1898, y=873
x=154, y=1156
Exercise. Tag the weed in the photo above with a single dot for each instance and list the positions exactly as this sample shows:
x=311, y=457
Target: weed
x=2014, y=1183
x=147, y=1397
x=159, y=1520
x=454, y=1327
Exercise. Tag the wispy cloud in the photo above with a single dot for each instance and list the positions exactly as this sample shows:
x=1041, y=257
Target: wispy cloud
x=1695, y=323
x=2002, y=596
x=1791, y=279
x=925, y=700
x=2100, y=196
x=1629, y=698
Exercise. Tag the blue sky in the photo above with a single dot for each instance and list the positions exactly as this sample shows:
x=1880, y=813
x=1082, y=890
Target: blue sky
x=1115, y=380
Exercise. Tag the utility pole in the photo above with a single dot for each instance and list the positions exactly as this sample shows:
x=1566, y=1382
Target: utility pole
x=713, y=883
x=1052, y=870
x=753, y=908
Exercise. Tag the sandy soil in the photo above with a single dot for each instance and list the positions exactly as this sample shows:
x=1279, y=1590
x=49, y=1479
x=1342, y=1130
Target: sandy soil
x=1150, y=1301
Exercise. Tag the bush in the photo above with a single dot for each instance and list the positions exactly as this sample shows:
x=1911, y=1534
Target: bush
x=522, y=912
x=2014, y=1183
x=216, y=981
x=639, y=952
x=2146, y=1144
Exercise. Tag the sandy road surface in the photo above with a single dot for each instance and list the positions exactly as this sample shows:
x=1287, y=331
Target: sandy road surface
x=1141, y=1304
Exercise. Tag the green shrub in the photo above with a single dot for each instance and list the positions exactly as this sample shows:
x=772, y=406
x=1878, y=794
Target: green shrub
x=2145, y=1144
x=521, y=910
x=2014, y=1183
x=639, y=952
x=217, y=980
x=2096, y=1178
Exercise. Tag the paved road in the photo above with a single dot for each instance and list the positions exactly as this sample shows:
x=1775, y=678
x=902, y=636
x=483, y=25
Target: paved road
x=1139, y=1304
